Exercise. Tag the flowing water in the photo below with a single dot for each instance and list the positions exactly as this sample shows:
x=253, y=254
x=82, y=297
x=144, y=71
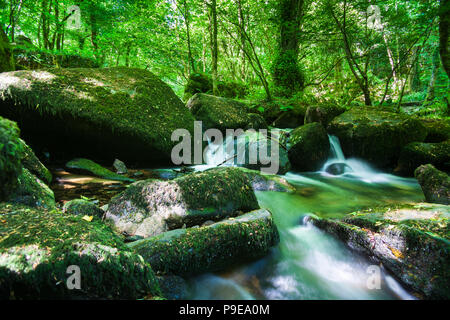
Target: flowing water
x=308, y=263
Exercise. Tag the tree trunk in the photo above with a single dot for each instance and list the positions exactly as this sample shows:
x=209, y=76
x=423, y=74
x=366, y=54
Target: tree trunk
x=213, y=40
x=187, y=18
x=444, y=34
x=6, y=57
x=286, y=72
x=434, y=73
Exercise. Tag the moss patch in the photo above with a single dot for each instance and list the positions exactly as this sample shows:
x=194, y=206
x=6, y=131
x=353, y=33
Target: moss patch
x=90, y=167
x=212, y=248
x=37, y=246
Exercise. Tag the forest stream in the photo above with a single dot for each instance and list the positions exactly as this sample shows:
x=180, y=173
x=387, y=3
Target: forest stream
x=307, y=263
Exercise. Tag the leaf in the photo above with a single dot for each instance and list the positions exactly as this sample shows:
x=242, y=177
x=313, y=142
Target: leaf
x=88, y=218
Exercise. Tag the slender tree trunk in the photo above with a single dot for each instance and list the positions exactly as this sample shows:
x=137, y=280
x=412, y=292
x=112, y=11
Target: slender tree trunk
x=434, y=73
x=242, y=39
x=412, y=83
x=444, y=34
x=213, y=40
x=6, y=56
x=187, y=18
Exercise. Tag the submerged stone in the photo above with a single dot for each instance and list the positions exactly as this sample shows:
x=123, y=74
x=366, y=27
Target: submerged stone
x=412, y=241
x=435, y=184
x=150, y=207
x=216, y=247
x=120, y=167
x=86, y=166
x=38, y=246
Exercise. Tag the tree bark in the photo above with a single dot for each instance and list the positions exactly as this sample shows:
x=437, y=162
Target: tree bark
x=444, y=34
x=213, y=40
x=434, y=73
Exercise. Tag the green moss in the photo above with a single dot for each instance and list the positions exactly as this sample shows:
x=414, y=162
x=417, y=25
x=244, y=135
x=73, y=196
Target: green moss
x=435, y=184
x=11, y=154
x=90, y=167
x=32, y=163
x=412, y=241
x=309, y=147
x=128, y=107
x=37, y=246
x=212, y=248
x=32, y=191
x=202, y=83
x=374, y=135
x=418, y=153
x=323, y=113
x=82, y=207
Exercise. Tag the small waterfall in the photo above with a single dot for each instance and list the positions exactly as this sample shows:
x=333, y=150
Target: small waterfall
x=335, y=148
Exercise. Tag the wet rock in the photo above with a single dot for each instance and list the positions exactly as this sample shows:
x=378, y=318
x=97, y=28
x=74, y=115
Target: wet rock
x=418, y=153
x=212, y=248
x=323, y=113
x=31, y=191
x=101, y=113
x=11, y=155
x=202, y=83
x=374, y=135
x=411, y=241
x=338, y=168
x=38, y=246
x=267, y=182
x=151, y=207
x=173, y=287
x=120, y=167
x=83, y=208
x=309, y=147
x=218, y=113
x=435, y=184
x=34, y=165
x=86, y=166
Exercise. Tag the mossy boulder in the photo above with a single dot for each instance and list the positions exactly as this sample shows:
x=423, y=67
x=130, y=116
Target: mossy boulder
x=32, y=191
x=150, y=207
x=435, y=184
x=38, y=246
x=202, y=83
x=267, y=182
x=86, y=166
x=256, y=121
x=11, y=154
x=412, y=241
x=438, y=130
x=374, y=135
x=82, y=207
x=323, y=113
x=219, y=113
x=95, y=113
x=248, y=148
x=34, y=165
x=216, y=247
x=309, y=147
x=418, y=153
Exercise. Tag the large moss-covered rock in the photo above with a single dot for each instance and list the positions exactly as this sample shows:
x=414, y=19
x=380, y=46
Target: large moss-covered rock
x=267, y=182
x=418, y=153
x=102, y=113
x=309, y=147
x=32, y=191
x=86, y=166
x=438, y=130
x=249, y=146
x=202, y=83
x=435, y=184
x=219, y=113
x=211, y=248
x=323, y=113
x=11, y=154
x=374, y=135
x=413, y=242
x=150, y=207
x=34, y=165
x=83, y=207
x=38, y=246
